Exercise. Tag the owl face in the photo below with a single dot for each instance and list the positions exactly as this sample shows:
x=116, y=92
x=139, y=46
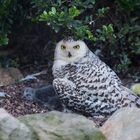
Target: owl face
x=70, y=50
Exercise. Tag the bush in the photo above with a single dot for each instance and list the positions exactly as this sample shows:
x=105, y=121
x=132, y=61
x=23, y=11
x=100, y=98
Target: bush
x=109, y=26
x=118, y=39
x=127, y=44
x=12, y=13
x=6, y=6
x=72, y=18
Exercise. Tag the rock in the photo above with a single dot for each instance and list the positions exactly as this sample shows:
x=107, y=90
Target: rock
x=51, y=126
x=124, y=124
x=13, y=129
x=62, y=126
x=136, y=88
x=9, y=76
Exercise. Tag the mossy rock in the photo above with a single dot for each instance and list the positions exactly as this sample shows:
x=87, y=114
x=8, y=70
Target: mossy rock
x=136, y=88
x=12, y=129
x=62, y=126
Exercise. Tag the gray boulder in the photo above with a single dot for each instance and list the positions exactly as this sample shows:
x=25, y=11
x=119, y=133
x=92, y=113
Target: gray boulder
x=123, y=125
x=50, y=126
x=13, y=129
x=62, y=126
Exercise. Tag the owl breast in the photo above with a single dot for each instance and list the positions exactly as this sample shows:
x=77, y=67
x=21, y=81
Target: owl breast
x=82, y=74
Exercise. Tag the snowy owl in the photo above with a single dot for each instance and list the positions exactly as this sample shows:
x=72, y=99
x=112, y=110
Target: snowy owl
x=85, y=84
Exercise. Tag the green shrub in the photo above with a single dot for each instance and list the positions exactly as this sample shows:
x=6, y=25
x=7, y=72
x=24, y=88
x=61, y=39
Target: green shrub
x=72, y=18
x=111, y=26
x=77, y=18
x=3, y=39
x=12, y=13
x=127, y=44
x=6, y=7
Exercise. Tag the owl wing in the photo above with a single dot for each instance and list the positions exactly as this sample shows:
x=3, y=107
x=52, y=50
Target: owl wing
x=66, y=90
x=135, y=100
x=92, y=74
x=98, y=79
x=104, y=68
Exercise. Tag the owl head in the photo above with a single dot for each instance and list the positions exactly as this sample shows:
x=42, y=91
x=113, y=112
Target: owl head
x=70, y=50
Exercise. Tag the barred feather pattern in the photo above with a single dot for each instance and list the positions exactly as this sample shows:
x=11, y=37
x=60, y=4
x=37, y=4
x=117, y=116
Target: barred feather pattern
x=90, y=87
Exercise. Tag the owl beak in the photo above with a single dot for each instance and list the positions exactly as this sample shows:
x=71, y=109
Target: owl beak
x=69, y=54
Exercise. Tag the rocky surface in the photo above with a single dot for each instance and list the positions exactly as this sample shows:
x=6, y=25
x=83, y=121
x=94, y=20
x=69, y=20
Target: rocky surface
x=54, y=125
x=51, y=126
x=13, y=129
x=123, y=125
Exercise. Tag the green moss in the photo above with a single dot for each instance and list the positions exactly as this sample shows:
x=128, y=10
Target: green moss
x=98, y=136
x=54, y=126
x=3, y=136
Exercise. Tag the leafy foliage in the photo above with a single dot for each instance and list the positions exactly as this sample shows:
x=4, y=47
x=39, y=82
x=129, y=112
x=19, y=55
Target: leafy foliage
x=67, y=19
x=11, y=12
x=6, y=6
x=111, y=26
x=106, y=33
x=127, y=44
x=74, y=18
x=3, y=39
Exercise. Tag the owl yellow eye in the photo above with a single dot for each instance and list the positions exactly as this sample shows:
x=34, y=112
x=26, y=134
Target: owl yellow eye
x=76, y=47
x=63, y=47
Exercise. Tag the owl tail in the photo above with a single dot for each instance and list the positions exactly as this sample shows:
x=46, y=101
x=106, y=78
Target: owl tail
x=135, y=100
